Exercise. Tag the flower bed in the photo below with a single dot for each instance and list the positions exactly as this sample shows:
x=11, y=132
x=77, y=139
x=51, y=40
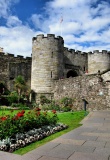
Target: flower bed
x=21, y=129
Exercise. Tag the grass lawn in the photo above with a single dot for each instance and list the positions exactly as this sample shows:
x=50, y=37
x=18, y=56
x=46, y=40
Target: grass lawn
x=70, y=118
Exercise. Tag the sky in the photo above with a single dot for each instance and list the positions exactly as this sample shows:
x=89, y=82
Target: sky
x=83, y=24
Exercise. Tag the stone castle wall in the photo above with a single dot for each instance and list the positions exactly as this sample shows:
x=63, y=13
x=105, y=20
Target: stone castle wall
x=88, y=87
x=77, y=59
x=11, y=67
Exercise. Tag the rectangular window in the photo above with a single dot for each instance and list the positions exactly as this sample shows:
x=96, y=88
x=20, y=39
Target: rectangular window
x=51, y=74
x=52, y=55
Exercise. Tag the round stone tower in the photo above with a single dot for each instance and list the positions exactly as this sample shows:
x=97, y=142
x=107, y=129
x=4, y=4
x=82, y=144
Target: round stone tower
x=98, y=61
x=47, y=62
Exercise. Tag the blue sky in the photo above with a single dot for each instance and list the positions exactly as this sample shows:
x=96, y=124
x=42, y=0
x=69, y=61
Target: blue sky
x=85, y=25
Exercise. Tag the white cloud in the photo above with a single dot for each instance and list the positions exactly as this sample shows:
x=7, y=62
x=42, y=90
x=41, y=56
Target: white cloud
x=84, y=22
x=17, y=40
x=85, y=26
x=13, y=21
x=5, y=7
x=15, y=37
x=37, y=20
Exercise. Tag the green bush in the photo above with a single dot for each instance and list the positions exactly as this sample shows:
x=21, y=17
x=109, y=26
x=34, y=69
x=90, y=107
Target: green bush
x=44, y=100
x=66, y=104
x=54, y=106
x=66, y=101
x=13, y=97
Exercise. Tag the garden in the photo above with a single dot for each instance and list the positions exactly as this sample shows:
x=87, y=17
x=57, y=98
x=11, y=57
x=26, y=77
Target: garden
x=25, y=127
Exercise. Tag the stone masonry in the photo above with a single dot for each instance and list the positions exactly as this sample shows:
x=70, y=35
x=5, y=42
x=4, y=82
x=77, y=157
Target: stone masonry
x=89, y=87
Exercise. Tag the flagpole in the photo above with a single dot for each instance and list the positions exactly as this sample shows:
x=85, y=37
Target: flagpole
x=61, y=29
x=61, y=20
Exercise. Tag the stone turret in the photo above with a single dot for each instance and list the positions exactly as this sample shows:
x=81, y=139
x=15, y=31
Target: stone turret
x=98, y=61
x=47, y=62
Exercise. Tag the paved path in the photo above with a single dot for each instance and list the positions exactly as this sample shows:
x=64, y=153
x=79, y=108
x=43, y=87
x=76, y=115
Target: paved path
x=91, y=141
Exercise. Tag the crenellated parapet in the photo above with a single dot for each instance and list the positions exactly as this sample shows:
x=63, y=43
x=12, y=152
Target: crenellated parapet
x=49, y=37
x=72, y=51
x=99, y=52
x=11, y=57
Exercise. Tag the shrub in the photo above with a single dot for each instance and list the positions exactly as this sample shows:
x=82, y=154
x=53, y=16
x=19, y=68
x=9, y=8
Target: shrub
x=66, y=104
x=66, y=101
x=24, y=121
x=13, y=97
x=44, y=100
x=54, y=106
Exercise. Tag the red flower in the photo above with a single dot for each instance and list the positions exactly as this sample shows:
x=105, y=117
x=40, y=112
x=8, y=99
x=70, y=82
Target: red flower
x=20, y=114
x=37, y=109
x=22, y=111
x=38, y=113
x=3, y=118
x=54, y=111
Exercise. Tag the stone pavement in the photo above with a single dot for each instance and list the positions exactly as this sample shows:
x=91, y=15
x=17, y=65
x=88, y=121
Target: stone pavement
x=91, y=141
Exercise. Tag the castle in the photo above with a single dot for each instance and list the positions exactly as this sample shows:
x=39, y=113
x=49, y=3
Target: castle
x=51, y=61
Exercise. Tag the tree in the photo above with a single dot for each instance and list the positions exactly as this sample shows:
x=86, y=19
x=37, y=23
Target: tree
x=20, y=85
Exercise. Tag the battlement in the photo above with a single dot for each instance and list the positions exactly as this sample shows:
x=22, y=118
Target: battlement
x=49, y=36
x=9, y=56
x=72, y=51
x=99, y=52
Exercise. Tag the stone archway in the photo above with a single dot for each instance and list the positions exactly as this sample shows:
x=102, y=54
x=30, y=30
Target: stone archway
x=72, y=73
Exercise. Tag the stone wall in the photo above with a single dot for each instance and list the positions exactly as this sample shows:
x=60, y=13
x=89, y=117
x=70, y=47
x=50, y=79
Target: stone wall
x=76, y=58
x=89, y=87
x=11, y=67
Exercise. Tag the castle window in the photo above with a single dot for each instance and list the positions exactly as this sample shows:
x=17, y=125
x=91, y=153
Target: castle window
x=51, y=74
x=52, y=55
x=84, y=68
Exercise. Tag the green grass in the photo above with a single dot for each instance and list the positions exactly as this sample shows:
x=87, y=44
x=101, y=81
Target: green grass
x=70, y=118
